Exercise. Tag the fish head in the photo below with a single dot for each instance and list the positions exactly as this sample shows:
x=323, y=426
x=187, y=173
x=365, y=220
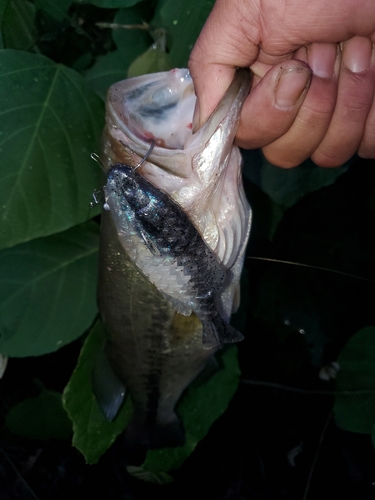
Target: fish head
x=200, y=170
x=121, y=177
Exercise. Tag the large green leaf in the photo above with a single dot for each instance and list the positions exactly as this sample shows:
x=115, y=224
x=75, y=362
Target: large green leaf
x=17, y=24
x=199, y=407
x=356, y=412
x=286, y=186
x=183, y=20
x=93, y=433
x=48, y=291
x=42, y=417
x=109, y=69
x=50, y=123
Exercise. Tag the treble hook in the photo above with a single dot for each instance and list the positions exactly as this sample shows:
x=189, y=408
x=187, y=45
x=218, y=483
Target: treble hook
x=97, y=159
x=96, y=201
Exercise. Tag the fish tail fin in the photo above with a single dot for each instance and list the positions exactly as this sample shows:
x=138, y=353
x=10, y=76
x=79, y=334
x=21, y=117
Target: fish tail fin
x=217, y=332
x=140, y=437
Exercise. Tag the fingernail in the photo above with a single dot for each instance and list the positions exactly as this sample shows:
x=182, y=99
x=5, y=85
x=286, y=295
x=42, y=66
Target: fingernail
x=301, y=54
x=357, y=54
x=196, y=115
x=291, y=85
x=322, y=58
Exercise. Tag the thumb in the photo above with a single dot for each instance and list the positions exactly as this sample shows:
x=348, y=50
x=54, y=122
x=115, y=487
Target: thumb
x=225, y=43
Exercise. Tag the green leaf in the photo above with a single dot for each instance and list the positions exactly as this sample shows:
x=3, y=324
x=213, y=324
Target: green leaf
x=152, y=61
x=109, y=69
x=17, y=24
x=183, y=20
x=50, y=123
x=93, y=434
x=57, y=10
x=109, y=4
x=198, y=409
x=48, y=291
x=42, y=417
x=286, y=186
x=356, y=412
x=134, y=40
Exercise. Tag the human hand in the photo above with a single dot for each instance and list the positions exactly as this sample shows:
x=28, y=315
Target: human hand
x=314, y=76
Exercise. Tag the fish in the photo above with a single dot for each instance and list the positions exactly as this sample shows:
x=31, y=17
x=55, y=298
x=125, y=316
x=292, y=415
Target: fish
x=165, y=245
x=185, y=209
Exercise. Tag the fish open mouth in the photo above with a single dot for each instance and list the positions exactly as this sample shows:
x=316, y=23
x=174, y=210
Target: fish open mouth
x=161, y=110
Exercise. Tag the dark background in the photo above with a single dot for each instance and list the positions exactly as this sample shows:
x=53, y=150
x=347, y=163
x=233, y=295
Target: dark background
x=278, y=439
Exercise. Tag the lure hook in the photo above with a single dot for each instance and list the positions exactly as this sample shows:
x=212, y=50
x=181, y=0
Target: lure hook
x=97, y=159
x=152, y=142
x=95, y=198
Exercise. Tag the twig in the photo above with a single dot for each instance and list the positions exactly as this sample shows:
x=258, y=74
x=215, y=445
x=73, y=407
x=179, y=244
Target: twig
x=115, y=26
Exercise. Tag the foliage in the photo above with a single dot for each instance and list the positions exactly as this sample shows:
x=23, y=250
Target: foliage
x=93, y=433
x=55, y=67
x=42, y=417
x=47, y=292
x=355, y=411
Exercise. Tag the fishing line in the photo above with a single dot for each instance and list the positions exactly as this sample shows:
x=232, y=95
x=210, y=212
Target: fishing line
x=18, y=474
x=310, y=266
x=273, y=385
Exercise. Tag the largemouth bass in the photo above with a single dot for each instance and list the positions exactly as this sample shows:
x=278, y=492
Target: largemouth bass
x=185, y=212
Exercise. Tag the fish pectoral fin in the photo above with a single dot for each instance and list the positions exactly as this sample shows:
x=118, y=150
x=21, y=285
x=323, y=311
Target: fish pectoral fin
x=108, y=389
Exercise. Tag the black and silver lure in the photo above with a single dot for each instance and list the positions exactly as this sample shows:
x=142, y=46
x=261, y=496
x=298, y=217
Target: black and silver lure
x=168, y=249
